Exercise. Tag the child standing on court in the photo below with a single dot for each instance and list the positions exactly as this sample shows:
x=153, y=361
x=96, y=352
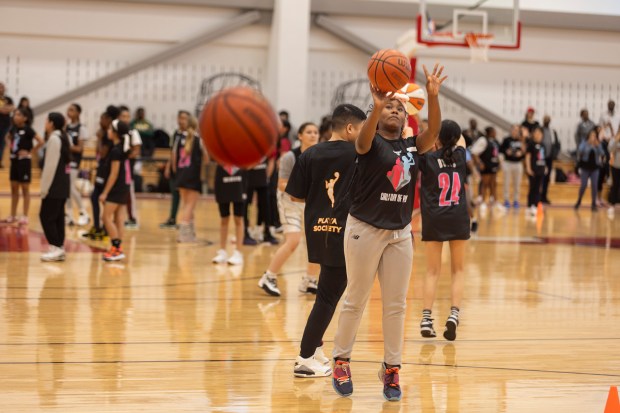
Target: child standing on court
x=21, y=138
x=77, y=134
x=535, y=168
x=230, y=188
x=116, y=190
x=444, y=218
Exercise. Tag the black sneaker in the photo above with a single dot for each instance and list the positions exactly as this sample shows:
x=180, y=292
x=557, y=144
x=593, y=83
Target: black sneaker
x=341, y=378
x=169, y=224
x=474, y=227
x=90, y=233
x=271, y=240
x=451, y=325
x=389, y=377
x=269, y=284
x=247, y=240
x=426, y=328
x=131, y=224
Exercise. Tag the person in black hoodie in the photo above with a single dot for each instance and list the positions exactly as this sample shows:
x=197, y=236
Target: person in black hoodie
x=55, y=186
x=115, y=193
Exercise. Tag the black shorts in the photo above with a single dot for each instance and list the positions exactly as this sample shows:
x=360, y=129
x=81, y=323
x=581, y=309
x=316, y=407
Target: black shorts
x=21, y=170
x=238, y=209
x=442, y=229
x=118, y=197
x=186, y=182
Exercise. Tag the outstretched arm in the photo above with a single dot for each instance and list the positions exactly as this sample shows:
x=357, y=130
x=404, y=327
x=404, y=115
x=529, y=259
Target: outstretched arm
x=367, y=134
x=426, y=140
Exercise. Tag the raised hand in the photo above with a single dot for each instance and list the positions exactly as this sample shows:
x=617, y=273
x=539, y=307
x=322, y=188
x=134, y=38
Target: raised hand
x=380, y=98
x=434, y=80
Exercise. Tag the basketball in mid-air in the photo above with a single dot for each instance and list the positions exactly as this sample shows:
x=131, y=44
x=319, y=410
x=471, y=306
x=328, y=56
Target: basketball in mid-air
x=389, y=70
x=416, y=96
x=238, y=127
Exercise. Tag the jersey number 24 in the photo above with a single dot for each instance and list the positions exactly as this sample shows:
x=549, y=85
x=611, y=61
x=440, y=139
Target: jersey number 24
x=444, y=184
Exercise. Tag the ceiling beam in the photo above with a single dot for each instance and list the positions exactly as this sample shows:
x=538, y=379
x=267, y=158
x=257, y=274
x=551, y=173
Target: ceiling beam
x=210, y=35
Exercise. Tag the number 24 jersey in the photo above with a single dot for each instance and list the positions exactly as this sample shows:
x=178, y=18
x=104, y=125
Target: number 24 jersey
x=443, y=197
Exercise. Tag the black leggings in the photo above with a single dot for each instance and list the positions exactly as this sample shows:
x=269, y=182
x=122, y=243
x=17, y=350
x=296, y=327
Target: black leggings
x=52, y=216
x=614, y=192
x=263, y=207
x=332, y=283
x=533, y=198
x=94, y=200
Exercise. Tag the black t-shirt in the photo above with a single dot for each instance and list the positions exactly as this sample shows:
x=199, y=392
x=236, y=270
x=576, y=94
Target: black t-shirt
x=257, y=176
x=189, y=165
x=322, y=177
x=122, y=182
x=537, y=157
x=512, y=145
x=443, y=197
x=21, y=139
x=5, y=119
x=73, y=131
x=530, y=126
x=103, y=164
x=230, y=184
x=490, y=157
x=384, y=185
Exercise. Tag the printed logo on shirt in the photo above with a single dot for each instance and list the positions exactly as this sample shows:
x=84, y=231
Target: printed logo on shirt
x=400, y=175
x=185, y=159
x=329, y=186
x=327, y=225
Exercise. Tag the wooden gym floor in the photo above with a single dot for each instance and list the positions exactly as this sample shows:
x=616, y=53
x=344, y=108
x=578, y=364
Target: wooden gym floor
x=167, y=331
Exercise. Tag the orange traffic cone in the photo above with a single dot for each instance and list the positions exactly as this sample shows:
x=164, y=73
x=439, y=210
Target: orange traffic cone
x=613, y=404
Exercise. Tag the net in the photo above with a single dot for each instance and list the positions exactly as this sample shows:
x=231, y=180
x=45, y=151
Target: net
x=479, y=45
x=215, y=83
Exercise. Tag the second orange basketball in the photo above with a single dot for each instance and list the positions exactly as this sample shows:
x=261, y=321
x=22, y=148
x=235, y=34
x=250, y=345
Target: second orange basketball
x=389, y=70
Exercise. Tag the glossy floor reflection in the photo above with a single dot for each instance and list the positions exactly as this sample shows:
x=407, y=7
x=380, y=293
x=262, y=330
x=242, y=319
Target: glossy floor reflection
x=168, y=331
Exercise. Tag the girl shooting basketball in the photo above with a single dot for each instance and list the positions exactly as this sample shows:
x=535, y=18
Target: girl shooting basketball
x=378, y=232
x=444, y=218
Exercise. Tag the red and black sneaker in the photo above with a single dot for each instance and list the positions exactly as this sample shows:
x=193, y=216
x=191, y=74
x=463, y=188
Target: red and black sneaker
x=341, y=378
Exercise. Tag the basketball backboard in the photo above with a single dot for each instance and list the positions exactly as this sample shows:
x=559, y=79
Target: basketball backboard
x=453, y=22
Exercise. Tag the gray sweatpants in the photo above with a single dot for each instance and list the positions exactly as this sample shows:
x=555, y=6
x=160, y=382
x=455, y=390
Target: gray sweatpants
x=369, y=250
x=513, y=173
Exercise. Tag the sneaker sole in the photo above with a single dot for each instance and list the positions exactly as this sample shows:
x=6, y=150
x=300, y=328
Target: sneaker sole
x=306, y=375
x=338, y=391
x=428, y=334
x=118, y=258
x=450, y=333
x=59, y=259
x=268, y=291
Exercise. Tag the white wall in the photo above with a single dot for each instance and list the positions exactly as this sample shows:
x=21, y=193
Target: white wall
x=51, y=47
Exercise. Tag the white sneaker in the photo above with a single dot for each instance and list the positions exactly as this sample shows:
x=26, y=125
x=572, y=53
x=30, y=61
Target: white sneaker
x=84, y=219
x=269, y=284
x=221, y=257
x=236, y=258
x=310, y=367
x=319, y=356
x=611, y=211
x=53, y=254
x=23, y=220
x=483, y=208
x=308, y=285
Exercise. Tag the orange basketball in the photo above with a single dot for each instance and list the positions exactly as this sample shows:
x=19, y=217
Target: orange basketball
x=238, y=127
x=389, y=70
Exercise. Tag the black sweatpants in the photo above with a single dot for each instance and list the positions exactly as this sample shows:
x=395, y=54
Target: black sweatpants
x=52, y=216
x=332, y=283
x=533, y=197
x=94, y=200
x=614, y=192
x=263, y=208
x=545, y=185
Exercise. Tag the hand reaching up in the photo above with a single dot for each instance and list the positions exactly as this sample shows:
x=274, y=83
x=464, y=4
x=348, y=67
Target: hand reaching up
x=434, y=80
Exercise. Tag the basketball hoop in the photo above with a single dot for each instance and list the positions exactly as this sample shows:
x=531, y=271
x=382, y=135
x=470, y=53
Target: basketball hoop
x=479, y=44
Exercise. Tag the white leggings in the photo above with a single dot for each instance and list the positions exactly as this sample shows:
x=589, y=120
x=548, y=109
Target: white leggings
x=76, y=195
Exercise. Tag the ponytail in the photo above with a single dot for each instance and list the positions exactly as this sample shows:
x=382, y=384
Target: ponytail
x=191, y=135
x=449, y=135
x=122, y=130
x=58, y=120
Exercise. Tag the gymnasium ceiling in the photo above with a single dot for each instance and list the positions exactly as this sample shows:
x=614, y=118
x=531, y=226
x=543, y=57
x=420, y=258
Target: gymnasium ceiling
x=577, y=14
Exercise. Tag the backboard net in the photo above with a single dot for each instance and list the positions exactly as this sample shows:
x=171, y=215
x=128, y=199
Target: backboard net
x=478, y=24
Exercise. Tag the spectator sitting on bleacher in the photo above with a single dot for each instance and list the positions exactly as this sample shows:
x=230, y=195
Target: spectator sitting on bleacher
x=146, y=131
